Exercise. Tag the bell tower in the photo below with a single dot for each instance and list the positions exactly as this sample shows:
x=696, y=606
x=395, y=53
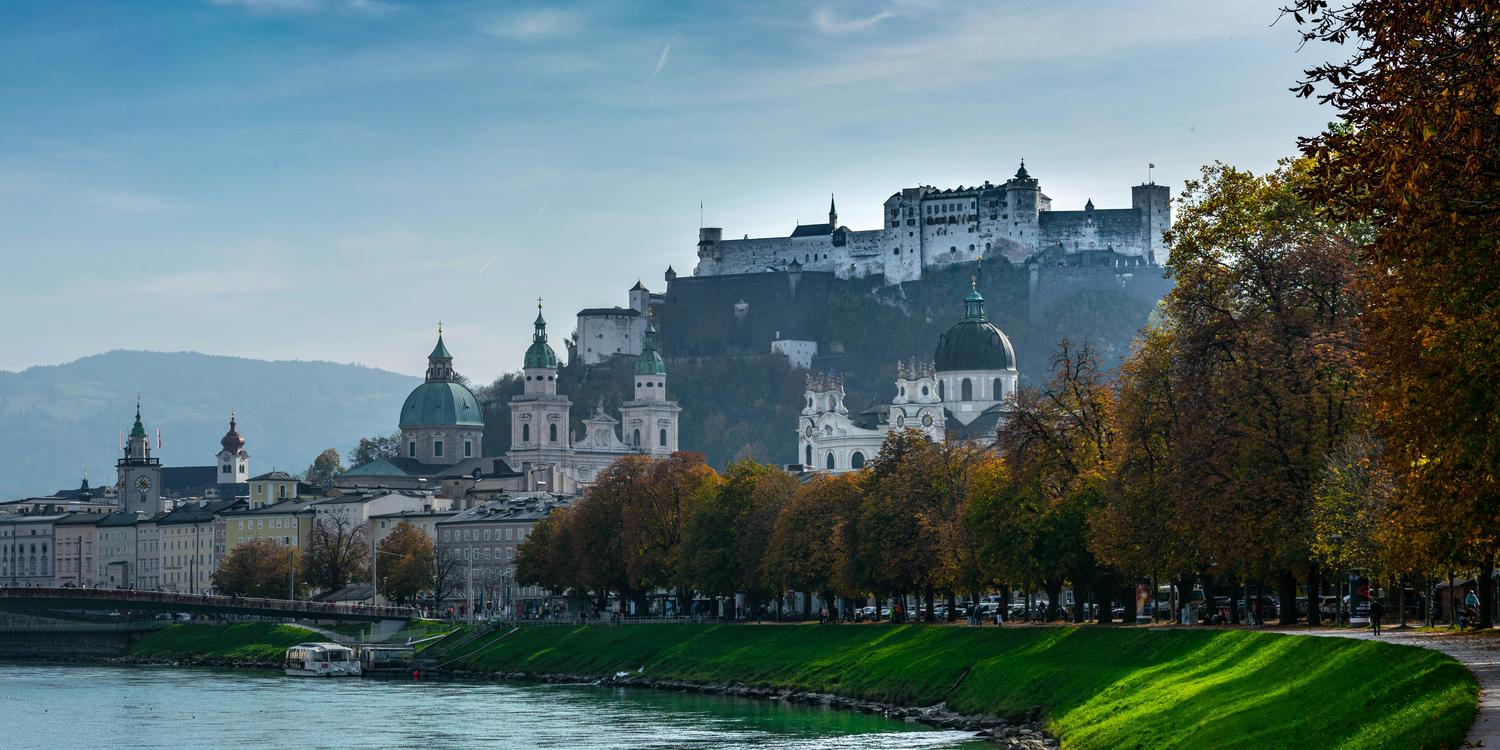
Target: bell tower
x=539, y=415
x=649, y=421
x=138, y=475
x=234, y=462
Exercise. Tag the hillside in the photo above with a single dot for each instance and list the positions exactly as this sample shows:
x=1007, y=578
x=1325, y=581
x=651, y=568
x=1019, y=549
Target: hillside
x=57, y=421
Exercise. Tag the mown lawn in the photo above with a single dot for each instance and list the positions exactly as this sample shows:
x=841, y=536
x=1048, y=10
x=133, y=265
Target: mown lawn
x=259, y=641
x=1099, y=687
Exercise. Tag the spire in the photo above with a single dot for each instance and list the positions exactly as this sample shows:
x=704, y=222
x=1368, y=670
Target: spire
x=138, y=430
x=1022, y=174
x=540, y=354
x=84, y=493
x=974, y=303
x=650, y=362
x=833, y=213
x=439, y=362
x=232, y=441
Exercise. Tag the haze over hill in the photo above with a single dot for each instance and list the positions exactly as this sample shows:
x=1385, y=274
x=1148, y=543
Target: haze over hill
x=57, y=421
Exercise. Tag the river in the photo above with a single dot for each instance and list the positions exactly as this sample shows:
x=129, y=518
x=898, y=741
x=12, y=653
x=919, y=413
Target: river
x=51, y=706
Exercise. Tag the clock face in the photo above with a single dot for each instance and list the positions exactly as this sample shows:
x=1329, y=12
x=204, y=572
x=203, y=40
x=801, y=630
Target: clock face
x=926, y=420
x=808, y=431
x=144, y=483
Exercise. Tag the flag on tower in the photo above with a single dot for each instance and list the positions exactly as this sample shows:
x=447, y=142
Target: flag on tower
x=158, y=438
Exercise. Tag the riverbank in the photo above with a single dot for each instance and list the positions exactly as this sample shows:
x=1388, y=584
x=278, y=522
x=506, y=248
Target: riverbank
x=245, y=644
x=1093, y=687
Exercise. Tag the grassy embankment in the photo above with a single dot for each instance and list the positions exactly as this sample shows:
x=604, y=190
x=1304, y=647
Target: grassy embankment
x=246, y=641
x=1098, y=687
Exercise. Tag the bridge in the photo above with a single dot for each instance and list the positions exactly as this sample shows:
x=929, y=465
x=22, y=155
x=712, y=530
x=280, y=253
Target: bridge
x=54, y=600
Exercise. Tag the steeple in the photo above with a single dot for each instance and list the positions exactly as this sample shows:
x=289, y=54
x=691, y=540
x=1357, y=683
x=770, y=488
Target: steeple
x=84, y=493
x=974, y=303
x=540, y=354
x=139, y=430
x=137, y=446
x=439, y=362
x=833, y=214
x=1022, y=174
x=650, y=362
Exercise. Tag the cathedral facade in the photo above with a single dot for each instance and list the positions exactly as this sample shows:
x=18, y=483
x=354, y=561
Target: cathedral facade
x=965, y=393
x=926, y=227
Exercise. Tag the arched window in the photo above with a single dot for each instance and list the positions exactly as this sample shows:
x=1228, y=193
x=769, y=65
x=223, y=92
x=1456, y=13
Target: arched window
x=999, y=391
x=857, y=461
x=635, y=438
x=829, y=462
x=808, y=455
x=525, y=433
x=663, y=437
x=552, y=432
x=966, y=390
x=942, y=391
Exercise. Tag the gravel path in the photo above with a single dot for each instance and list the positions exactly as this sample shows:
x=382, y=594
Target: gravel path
x=1480, y=653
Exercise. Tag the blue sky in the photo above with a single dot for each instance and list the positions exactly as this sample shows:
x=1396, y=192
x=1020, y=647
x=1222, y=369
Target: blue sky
x=327, y=179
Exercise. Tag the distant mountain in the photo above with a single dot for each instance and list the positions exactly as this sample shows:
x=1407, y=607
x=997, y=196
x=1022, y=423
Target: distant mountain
x=57, y=421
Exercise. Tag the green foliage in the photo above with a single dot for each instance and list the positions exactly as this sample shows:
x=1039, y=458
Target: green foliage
x=324, y=469
x=255, y=641
x=1140, y=688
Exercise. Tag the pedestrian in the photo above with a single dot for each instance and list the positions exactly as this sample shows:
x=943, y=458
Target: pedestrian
x=1376, y=610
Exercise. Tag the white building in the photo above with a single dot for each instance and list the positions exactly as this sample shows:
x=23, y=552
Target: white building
x=604, y=332
x=925, y=227
x=966, y=393
x=540, y=438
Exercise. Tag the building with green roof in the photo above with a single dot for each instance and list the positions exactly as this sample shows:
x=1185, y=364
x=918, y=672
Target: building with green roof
x=441, y=421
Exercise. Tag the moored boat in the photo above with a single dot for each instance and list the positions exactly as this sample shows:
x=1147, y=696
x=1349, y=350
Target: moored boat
x=321, y=660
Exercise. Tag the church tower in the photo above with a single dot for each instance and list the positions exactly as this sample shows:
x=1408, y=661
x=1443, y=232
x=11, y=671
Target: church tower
x=539, y=415
x=441, y=422
x=650, y=420
x=833, y=214
x=138, y=474
x=234, y=462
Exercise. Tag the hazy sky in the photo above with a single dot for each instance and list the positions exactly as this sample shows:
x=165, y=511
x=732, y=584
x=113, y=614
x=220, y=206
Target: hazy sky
x=327, y=179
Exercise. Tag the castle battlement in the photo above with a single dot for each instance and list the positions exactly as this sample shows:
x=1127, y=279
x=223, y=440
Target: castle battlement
x=927, y=227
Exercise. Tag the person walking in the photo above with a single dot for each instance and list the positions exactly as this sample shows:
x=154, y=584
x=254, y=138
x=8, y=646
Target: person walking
x=1376, y=610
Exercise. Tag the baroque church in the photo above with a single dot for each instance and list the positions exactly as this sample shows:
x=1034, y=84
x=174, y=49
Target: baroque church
x=442, y=429
x=965, y=393
x=143, y=485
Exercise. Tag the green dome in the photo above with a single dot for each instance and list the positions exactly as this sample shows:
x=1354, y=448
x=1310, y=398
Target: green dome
x=650, y=362
x=974, y=343
x=540, y=355
x=441, y=404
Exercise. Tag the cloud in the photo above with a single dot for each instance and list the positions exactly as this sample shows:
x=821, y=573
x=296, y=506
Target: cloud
x=310, y=7
x=538, y=24
x=825, y=22
x=126, y=202
x=661, y=62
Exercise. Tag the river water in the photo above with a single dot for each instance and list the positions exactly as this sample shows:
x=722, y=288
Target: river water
x=49, y=706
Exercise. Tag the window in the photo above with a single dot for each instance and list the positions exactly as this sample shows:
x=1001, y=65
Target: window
x=552, y=432
x=635, y=438
x=942, y=392
x=663, y=437
x=829, y=462
x=468, y=449
x=281, y=491
x=525, y=433
x=857, y=461
x=966, y=390
x=809, y=456
x=998, y=391
x=411, y=449
x=437, y=449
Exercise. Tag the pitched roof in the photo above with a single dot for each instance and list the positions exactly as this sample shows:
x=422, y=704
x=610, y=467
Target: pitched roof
x=279, y=476
x=812, y=230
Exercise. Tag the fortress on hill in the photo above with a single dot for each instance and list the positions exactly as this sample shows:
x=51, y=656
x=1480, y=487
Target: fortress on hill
x=928, y=228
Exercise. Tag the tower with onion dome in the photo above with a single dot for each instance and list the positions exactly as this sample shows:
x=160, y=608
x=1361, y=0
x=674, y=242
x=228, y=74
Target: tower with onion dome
x=234, y=462
x=649, y=420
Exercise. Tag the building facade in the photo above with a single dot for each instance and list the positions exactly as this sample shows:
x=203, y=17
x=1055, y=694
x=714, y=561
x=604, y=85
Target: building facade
x=27, y=549
x=925, y=227
x=965, y=393
x=485, y=538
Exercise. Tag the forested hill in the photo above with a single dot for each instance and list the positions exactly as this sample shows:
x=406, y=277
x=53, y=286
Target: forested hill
x=57, y=421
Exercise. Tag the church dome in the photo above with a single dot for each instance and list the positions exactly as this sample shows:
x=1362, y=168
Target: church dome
x=540, y=355
x=649, y=362
x=441, y=404
x=974, y=343
x=232, y=441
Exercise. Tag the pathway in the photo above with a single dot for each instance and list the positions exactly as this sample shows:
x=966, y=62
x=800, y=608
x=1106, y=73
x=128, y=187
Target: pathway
x=1480, y=653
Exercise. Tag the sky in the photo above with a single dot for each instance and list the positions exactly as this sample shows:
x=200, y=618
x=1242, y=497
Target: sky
x=329, y=179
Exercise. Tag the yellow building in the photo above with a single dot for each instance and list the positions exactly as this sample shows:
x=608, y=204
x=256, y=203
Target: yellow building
x=288, y=523
x=273, y=487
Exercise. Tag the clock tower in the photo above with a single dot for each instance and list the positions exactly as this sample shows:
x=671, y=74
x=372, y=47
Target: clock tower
x=139, y=475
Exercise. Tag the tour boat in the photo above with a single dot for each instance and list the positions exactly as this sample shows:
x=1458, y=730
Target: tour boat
x=321, y=660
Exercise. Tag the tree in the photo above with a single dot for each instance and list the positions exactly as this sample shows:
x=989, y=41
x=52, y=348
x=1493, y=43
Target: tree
x=259, y=567
x=324, y=469
x=1417, y=155
x=337, y=552
x=371, y=448
x=724, y=547
x=447, y=576
x=405, y=561
x=805, y=552
x=654, y=520
x=896, y=545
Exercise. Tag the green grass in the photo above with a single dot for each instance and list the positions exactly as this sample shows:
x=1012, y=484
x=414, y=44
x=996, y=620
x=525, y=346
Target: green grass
x=257, y=641
x=1098, y=687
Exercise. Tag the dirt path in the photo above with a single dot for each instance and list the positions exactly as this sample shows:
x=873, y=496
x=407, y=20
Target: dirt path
x=1480, y=653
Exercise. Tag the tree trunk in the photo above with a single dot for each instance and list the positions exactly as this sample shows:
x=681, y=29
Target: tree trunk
x=1078, y=602
x=1102, y=600
x=1234, y=608
x=1128, y=616
x=1401, y=600
x=1054, y=593
x=1314, y=594
x=1486, y=585
x=806, y=605
x=1287, y=592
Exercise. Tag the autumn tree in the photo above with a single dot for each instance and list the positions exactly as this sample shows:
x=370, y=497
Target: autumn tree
x=259, y=567
x=896, y=545
x=324, y=469
x=1263, y=322
x=338, y=552
x=654, y=519
x=404, y=559
x=727, y=536
x=371, y=448
x=1416, y=155
x=447, y=577
x=805, y=552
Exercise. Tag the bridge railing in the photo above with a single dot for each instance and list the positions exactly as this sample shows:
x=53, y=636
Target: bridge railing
x=290, y=606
